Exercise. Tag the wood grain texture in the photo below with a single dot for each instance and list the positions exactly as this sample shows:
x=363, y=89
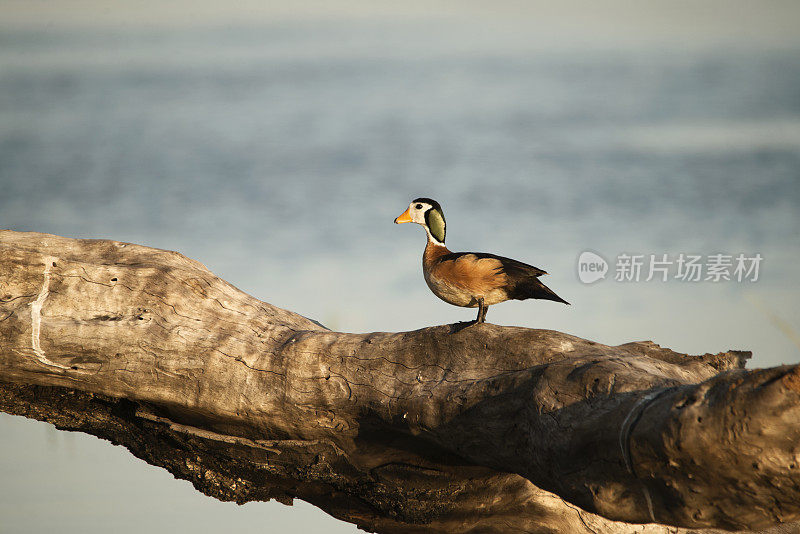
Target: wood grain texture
x=444, y=429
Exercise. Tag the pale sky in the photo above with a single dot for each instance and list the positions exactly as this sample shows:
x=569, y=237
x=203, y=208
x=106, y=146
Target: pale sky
x=768, y=22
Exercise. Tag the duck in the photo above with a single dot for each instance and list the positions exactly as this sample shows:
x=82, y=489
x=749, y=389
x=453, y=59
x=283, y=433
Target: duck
x=471, y=279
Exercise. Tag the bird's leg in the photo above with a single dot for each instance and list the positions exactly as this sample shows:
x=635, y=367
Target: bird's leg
x=482, y=309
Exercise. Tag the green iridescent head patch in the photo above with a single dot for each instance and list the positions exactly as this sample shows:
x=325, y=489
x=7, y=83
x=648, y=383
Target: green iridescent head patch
x=434, y=218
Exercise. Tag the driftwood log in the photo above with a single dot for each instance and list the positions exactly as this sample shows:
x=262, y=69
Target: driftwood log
x=451, y=428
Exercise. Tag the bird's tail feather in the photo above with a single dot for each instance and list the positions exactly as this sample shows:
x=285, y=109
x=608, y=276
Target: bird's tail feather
x=533, y=288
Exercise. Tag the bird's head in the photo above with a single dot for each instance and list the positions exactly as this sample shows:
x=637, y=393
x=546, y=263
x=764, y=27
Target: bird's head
x=428, y=213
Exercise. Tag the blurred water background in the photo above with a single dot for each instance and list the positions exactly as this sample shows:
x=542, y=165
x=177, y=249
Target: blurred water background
x=276, y=145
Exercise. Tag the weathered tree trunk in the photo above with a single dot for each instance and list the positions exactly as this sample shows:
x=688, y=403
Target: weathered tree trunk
x=446, y=429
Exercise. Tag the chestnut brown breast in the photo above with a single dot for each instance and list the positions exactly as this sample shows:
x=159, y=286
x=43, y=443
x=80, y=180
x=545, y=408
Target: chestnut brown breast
x=462, y=278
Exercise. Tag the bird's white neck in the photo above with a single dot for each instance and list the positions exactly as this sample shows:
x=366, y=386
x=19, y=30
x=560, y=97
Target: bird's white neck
x=432, y=240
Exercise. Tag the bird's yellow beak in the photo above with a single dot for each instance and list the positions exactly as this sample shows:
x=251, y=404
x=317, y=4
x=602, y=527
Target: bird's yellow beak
x=403, y=218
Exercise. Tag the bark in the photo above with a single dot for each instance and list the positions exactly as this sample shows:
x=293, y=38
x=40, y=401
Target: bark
x=452, y=428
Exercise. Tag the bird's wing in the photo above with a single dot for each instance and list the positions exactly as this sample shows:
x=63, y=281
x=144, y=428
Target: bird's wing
x=513, y=268
x=471, y=271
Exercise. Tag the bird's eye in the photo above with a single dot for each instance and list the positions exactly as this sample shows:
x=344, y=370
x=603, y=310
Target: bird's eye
x=418, y=206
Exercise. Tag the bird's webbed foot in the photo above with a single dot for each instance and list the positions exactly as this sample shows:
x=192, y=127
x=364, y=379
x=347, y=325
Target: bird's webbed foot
x=482, y=309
